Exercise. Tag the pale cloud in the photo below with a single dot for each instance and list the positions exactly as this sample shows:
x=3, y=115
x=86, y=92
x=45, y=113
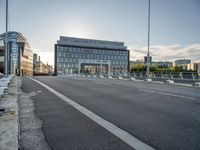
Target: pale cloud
x=168, y=52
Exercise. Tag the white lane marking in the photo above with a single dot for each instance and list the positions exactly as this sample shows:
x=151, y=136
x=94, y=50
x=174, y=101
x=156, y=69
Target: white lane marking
x=169, y=94
x=101, y=82
x=123, y=135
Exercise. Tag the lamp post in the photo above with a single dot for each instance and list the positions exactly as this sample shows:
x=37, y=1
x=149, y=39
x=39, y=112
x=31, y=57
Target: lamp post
x=6, y=43
x=148, y=54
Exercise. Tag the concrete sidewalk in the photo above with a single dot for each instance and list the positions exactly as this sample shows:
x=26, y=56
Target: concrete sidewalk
x=9, y=120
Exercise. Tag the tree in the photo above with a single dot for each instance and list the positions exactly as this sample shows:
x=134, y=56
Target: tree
x=154, y=68
x=137, y=67
x=177, y=68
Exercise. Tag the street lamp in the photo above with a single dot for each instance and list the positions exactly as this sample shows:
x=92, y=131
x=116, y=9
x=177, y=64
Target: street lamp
x=148, y=58
x=6, y=43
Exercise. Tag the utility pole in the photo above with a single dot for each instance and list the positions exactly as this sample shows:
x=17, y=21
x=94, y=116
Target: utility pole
x=6, y=43
x=148, y=54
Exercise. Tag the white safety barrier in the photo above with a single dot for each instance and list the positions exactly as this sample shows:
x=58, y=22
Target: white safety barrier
x=148, y=79
x=169, y=81
x=119, y=77
x=101, y=76
x=132, y=78
x=110, y=77
x=197, y=84
x=4, y=83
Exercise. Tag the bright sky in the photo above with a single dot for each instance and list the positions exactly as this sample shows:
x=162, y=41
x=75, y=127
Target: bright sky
x=175, y=25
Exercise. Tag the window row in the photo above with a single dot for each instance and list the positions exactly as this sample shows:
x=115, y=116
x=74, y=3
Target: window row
x=73, y=60
x=93, y=51
x=62, y=68
x=75, y=64
x=91, y=56
x=68, y=65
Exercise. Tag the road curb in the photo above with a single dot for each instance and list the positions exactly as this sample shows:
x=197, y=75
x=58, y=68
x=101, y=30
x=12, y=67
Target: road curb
x=9, y=118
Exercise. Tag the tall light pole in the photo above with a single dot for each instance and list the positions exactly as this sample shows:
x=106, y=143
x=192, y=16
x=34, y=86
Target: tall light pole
x=6, y=43
x=148, y=54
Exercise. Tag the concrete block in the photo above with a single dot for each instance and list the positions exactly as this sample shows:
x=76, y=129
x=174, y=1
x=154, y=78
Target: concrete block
x=119, y=77
x=110, y=77
x=101, y=76
x=197, y=84
x=169, y=81
x=132, y=79
x=148, y=79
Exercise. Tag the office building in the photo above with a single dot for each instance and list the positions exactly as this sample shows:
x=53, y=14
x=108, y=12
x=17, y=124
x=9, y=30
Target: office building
x=78, y=55
x=20, y=55
x=182, y=63
x=194, y=67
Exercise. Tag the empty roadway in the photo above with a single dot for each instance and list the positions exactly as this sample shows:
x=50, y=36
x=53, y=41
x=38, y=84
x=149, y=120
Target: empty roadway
x=162, y=116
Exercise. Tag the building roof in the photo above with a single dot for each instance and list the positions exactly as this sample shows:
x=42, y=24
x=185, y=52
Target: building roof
x=74, y=41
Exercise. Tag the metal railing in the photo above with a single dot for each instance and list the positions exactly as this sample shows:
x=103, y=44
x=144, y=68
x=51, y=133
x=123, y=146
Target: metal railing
x=142, y=75
x=168, y=75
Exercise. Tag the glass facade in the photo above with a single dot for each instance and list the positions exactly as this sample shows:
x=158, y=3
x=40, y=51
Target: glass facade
x=20, y=55
x=73, y=54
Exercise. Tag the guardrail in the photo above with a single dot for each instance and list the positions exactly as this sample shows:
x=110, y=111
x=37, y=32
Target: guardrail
x=142, y=74
x=168, y=75
x=4, y=83
x=169, y=78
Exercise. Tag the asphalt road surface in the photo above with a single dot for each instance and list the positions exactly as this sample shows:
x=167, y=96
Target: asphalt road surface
x=162, y=116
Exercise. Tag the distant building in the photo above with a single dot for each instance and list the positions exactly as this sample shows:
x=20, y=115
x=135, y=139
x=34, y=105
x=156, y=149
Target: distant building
x=194, y=67
x=40, y=68
x=36, y=58
x=75, y=55
x=146, y=59
x=182, y=62
x=20, y=55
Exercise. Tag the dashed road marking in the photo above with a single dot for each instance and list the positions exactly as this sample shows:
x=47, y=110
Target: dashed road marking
x=101, y=82
x=169, y=94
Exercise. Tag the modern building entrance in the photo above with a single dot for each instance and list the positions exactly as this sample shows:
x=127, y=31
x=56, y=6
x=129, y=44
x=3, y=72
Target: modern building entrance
x=94, y=66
